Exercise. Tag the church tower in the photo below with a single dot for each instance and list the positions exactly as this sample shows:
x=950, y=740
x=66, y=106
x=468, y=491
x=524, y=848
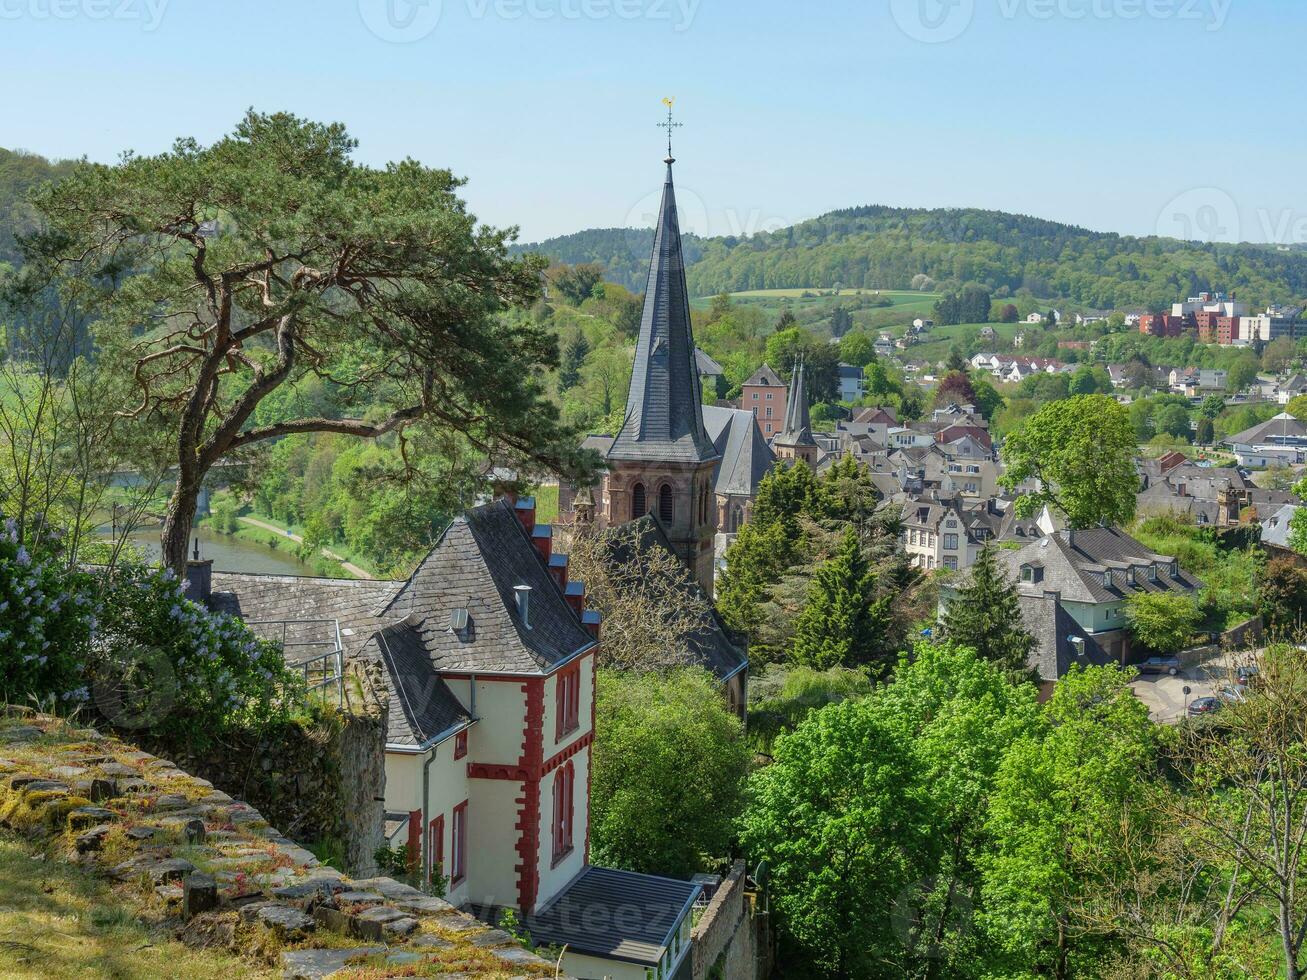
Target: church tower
x=795, y=441
x=662, y=459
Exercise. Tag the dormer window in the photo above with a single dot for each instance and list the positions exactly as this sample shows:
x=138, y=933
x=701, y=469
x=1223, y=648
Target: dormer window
x=1152, y=573
x=1107, y=579
x=1175, y=569
x=1032, y=573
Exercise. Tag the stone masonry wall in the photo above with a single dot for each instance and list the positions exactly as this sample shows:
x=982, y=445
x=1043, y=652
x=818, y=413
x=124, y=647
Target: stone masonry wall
x=325, y=782
x=725, y=937
x=211, y=869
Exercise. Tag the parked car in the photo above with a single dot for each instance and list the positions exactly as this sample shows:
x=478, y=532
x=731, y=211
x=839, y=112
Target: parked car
x=1204, y=706
x=1233, y=692
x=1160, y=665
x=1247, y=674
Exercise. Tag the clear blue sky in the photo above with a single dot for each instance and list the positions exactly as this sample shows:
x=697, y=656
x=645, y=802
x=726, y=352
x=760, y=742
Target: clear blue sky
x=1123, y=115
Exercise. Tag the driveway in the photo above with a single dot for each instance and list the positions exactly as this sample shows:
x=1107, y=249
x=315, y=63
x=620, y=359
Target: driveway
x=1164, y=695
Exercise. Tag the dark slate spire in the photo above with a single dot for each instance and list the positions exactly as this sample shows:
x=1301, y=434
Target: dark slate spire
x=798, y=427
x=664, y=415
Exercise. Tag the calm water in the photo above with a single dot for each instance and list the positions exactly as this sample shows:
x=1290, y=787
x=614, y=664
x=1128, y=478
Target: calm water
x=229, y=554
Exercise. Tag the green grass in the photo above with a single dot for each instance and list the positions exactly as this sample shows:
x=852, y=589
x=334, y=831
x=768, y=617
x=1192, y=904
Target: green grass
x=58, y=921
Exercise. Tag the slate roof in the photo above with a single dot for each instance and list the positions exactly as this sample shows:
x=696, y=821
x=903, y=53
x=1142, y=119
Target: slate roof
x=476, y=565
x=587, y=916
x=1275, y=529
x=275, y=599
x=797, y=430
x=422, y=708
x=712, y=646
x=1074, y=565
x=765, y=376
x=745, y=455
x=1052, y=628
x=664, y=418
x=1283, y=426
x=707, y=366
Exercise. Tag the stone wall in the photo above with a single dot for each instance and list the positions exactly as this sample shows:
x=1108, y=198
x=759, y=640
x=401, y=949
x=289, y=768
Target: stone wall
x=726, y=937
x=321, y=783
x=213, y=871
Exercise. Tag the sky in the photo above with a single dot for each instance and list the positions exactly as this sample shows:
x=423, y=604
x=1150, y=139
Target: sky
x=1175, y=117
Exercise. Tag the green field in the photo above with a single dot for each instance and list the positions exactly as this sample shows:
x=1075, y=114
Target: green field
x=817, y=305
x=941, y=339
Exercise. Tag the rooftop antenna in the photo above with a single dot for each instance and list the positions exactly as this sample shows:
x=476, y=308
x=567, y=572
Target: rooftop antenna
x=669, y=125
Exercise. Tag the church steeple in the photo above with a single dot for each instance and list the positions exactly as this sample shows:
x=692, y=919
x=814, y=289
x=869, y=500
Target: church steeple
x=664, y=414
x=795, y=440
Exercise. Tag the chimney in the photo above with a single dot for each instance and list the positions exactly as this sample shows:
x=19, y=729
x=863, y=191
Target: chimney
x=525, y=508
x=558, y=569
x=199, y=577
x=575, y=595
x=522, y=593
x=542, y=536
x=590, y=619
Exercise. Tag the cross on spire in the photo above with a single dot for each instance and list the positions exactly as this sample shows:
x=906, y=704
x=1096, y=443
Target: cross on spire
x=669, y=125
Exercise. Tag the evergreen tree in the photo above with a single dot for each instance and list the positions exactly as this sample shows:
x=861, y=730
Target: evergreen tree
x=842, y=623
x=786, y=320
x=840, y=322
x=985, y=615
x=569, y=374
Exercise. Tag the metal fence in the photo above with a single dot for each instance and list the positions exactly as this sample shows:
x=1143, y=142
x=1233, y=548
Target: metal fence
x=312, y=646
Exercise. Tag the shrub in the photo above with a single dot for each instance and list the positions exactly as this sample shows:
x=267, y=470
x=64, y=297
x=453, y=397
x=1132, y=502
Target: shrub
x=46, y=618
x=1162, y=621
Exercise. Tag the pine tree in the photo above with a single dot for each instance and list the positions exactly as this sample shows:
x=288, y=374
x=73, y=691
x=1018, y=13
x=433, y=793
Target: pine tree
x=985, y=615
x=574, y=354
x=842, y=622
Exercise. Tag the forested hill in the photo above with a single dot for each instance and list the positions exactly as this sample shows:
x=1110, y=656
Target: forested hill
x=884, y=247
x=19, y=173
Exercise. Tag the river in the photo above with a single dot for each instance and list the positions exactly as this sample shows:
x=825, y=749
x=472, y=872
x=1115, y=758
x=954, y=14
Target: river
x=229, y=554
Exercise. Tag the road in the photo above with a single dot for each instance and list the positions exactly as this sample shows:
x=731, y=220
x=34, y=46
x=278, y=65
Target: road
x=281, y=532
x=1164, y=695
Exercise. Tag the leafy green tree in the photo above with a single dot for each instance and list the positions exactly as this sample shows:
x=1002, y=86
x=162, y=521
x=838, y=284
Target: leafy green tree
x=1069, y=803
x=987, y=399
x=984, y=614
x=576, y=283
x=837, y=818
x=670, y=738
x=821, y=361
x=857, y=349
x=1213, y=405
x=843, y=622
x=1081, y=450
x=1282, y=594
x=721, y=306
x=1162, y=621
x=1241, y=373
x=1278, y=355
x=1173, y=420
x=322, y=267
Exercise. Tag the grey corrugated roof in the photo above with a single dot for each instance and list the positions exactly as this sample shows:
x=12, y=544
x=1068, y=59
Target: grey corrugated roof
x=664, y=419
x=478, y=561
x=711, y=646
x=593, y=915
x=421, y=705
x=745, y=455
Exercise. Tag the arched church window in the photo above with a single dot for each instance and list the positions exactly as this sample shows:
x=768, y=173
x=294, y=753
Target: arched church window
x=638, y=503
x=737, y=518
x=665, y=511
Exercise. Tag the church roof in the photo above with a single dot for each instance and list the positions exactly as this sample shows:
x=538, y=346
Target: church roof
x=746, y=457
x=664, y=415
x=798, y=427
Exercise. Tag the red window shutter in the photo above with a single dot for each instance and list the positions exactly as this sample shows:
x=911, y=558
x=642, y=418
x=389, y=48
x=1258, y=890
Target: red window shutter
x=436, y=843
x=460, y=744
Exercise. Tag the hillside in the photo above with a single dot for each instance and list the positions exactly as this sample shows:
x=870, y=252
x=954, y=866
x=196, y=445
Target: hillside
x=19, y=173
x=883, y=247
